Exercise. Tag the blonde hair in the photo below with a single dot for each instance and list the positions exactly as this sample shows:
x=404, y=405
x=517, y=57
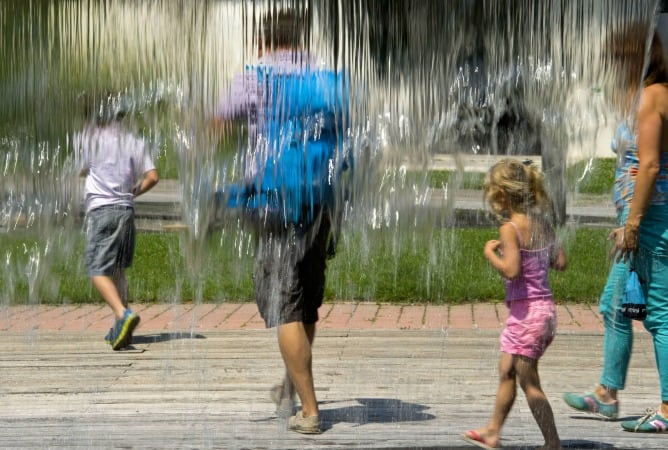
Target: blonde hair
x=515, y=186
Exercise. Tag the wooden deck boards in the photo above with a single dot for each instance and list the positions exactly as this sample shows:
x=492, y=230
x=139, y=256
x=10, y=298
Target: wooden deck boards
x=377, y=389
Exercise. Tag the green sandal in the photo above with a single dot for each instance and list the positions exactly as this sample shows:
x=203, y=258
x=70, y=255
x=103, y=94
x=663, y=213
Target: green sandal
x=590, y=404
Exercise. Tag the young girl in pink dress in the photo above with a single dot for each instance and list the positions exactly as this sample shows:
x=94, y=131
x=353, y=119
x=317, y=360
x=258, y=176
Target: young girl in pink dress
x=523, y=254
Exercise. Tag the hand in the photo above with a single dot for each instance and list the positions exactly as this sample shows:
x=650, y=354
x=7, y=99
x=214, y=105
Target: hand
x=491, y=246
x=626, y=242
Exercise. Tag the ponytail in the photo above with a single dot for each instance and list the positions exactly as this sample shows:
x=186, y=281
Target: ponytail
x=542, y=203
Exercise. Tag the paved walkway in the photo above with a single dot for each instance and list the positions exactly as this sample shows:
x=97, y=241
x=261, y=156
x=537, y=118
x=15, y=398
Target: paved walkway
x=387, y=377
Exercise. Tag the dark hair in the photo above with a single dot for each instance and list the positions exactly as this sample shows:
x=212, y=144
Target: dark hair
x=657, y=72
x=105, y=109
x=286, y=28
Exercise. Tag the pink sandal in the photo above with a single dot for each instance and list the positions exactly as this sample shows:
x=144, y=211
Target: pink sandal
x=474, y=438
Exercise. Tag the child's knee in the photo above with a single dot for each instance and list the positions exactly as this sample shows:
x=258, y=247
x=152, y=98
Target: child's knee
x=507, y=368
x=529, y=384
x=527, y=372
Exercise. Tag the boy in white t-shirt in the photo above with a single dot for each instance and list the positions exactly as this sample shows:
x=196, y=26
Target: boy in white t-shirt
x=118, y=168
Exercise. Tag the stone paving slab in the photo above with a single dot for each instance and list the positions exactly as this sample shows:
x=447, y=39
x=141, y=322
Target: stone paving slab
x=378, y=389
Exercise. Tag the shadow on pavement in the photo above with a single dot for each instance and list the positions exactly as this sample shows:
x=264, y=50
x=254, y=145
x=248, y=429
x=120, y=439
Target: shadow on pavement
x=605, y=419
x=164, y=337
x=585, y=445
x=374, y=410
x=573, y=445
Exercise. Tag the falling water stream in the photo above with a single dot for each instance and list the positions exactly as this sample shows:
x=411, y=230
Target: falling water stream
x=429, y=79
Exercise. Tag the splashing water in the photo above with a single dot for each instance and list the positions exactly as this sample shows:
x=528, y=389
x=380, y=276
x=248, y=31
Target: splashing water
x=429, y=79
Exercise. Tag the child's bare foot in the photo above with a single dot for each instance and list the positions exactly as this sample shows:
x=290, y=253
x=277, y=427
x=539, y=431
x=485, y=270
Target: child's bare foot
x=482, y=438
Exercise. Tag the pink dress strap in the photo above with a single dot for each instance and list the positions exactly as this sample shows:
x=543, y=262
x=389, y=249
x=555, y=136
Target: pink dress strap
x=519, y=234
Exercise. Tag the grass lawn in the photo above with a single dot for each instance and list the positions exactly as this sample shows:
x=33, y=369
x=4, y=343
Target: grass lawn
x=587, y=177
x=438, y=266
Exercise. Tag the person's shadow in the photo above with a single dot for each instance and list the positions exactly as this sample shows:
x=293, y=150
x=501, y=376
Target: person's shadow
x=387, y=410
x=369, y=410
x=374, y=410
x=570, y=445
x=164, y=337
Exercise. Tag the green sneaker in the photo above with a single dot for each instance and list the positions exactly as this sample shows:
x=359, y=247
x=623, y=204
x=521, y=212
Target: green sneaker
x=589, y=403
x=121, y=334
x=651, y=422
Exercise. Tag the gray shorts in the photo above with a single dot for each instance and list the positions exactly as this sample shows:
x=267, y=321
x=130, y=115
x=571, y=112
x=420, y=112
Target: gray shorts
x=110, y=239
x=289, y=275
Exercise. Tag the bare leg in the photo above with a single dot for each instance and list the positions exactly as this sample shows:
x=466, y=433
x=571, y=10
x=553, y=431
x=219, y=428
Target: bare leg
x=505, y=397
x=288, y=387
x=294, y=341
x=121, y=284
x=527, y=375
x=107, y=289
x=605, y=394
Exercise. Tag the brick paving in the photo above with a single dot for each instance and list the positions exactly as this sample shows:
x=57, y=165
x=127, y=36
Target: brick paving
x=333, y=316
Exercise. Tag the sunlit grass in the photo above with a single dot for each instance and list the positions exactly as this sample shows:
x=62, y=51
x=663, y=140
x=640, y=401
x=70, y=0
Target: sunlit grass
x=438, y=266
x=595, y=177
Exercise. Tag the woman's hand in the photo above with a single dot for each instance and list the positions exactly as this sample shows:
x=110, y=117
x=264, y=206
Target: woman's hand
x=625, y=242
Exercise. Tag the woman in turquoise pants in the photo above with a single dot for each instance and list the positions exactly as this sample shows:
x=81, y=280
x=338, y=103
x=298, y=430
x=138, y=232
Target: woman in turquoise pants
x=641, y=195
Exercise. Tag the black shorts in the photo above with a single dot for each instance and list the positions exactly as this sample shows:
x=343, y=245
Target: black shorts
x=289, y=274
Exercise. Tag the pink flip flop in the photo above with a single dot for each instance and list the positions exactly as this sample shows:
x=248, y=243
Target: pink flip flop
x=473, y=437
